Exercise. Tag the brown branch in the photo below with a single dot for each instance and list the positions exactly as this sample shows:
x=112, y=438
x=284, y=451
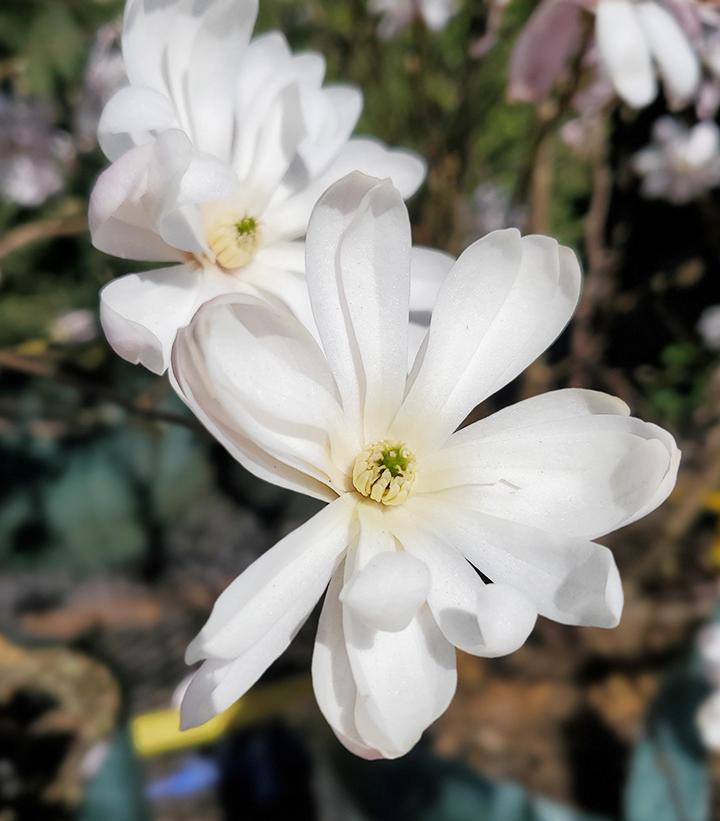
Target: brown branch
x=32, y=232
x=35, y=367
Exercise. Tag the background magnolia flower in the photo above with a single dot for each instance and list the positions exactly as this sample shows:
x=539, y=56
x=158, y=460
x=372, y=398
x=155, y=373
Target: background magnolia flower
x=635, y=40
x=104, y=75
x=221, y=147
x=681, y=163
x=708, y=716
x=398, y=14
x=709, y=327
x=34, y=156
x=412, y=505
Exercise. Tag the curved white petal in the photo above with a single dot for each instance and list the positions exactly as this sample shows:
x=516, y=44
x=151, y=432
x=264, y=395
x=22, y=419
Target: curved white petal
x=257, y=379
x=358, y=274
x=504, y=301
x=130, y=196
x=388, y=591
x=288, y=218
x=332, y=677
x=331, y=114
x=190, y=52
x=404, y=680
x=428, y=270
x=678, y=64
x=570, y=580
x=575, y=467
x=624, y=52
x=487, y=620
x=141, y=313
x=130, y=117
x=279, y=588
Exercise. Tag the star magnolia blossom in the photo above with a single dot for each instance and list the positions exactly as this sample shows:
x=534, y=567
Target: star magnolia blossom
x=681, y=163
x=221, y=148
x=635, y=39
x=398, y=14
x=412, y=504
x=708, y=716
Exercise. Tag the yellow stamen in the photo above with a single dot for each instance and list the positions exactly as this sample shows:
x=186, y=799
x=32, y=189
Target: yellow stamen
x=385, y=472
x=234, y=240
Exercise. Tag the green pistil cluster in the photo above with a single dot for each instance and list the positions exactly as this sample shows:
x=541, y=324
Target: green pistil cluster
x=246, y=227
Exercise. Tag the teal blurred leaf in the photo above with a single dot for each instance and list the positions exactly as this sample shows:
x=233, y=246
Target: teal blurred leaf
x=422, y=787
x=116, y=792
x=669, y=778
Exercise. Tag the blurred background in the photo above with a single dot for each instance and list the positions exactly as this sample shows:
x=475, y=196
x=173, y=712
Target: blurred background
x=121, y=521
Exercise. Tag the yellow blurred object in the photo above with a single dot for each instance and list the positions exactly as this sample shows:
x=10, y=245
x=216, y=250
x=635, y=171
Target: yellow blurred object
x=712, y=501
x=159, y=732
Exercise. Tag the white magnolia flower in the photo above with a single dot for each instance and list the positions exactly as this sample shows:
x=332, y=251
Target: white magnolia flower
x=708, y=722
x=221, y=147
x=412, y=504
x=638, y=39
x=398, y=14
x=34, y=156
x=681, y=163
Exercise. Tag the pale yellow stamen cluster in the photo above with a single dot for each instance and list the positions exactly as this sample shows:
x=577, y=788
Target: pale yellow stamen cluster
x=385, y=472
x=234, y=240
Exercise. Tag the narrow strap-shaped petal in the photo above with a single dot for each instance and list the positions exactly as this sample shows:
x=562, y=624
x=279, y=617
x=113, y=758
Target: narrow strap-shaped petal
x=257, y=379
x=358, y=273
x=624, y=52
x=333, y=682
x=281, y=587
x=575, y=467
x=289, y=212
x=504, y=301
x=487, y=620
x=569, y=580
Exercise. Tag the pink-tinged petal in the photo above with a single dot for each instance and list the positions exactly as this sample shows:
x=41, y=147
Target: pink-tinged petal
x=544, y=50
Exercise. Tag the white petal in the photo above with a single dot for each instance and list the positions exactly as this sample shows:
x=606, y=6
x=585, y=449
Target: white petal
x=428, y=269
x=487, y=620
x=256, y=378
x=388, y=591
x=288, y=219
x=572, y=468
x=570, y=580
x=130, y=196
x=281, y=587
x=437, y=13
x=678, y=64
x=141, y=313
x=708, y=722
x=504, y=301
x=404, y=680
x=358, y=274
x=624, y=52
x=130, y=117
x=333, y=682
x=219, y=683
x=190, y=52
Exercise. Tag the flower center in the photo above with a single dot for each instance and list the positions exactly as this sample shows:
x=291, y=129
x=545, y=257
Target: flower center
x=234, y=240
x=385, y=472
